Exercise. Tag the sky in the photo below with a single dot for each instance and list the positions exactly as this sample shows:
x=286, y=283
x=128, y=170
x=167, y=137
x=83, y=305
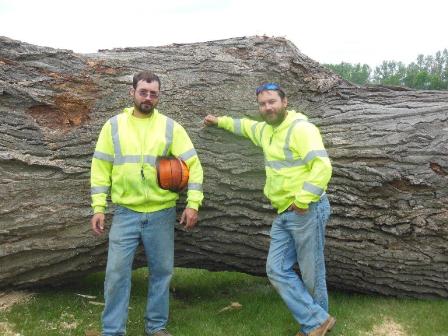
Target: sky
x=328, y=31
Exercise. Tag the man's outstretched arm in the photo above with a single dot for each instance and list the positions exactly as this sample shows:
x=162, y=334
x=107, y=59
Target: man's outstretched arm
x=244, y=127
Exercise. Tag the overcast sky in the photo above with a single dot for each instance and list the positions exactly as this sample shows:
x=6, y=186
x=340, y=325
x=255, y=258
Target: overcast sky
x=329, y=31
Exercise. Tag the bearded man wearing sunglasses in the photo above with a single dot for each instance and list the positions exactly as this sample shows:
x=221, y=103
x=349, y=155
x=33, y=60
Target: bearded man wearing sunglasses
x=124, y=166
x=297, y=173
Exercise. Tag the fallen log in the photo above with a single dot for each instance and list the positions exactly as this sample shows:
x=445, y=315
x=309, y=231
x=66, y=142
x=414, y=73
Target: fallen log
x=388, y=232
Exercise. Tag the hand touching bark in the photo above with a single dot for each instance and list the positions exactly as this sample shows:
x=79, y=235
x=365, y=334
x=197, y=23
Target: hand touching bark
x=210, y=120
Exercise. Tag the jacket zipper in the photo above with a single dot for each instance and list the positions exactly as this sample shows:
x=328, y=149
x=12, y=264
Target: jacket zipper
x=141, y=167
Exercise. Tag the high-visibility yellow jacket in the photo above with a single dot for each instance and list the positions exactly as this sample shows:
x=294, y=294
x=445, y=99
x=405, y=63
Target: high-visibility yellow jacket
x=124, y=163
x=297, y=165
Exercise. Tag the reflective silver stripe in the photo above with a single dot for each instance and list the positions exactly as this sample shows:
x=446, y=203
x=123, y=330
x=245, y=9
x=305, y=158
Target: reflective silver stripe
x=188, y=154
x=286, y=148
x=261, y=134
x=313, y=189
x=237, y=126
x=103, y=156
x=115, y=137
x=168, y=134
x=99, y=190
x=253, y=130
x=127, y=159
x=195, y=186
x=150, y=159
x=289, y=158
x=314, y=154
x=279, y=164
x=120, y=159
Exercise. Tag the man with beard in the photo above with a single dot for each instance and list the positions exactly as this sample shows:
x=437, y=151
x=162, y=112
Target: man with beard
x=124, y=165
x=297, y=173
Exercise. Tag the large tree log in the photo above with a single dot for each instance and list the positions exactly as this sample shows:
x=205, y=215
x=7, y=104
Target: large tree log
x=388, y=232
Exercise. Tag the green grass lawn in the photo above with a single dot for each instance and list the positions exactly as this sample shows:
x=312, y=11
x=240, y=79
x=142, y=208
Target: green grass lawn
x=198, y=307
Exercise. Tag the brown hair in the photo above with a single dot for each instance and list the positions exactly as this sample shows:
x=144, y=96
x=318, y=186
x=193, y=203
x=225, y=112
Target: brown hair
x=145, y=76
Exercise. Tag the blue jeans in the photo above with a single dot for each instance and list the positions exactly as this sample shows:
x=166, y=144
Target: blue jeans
x=300, y=239
x=156, y=231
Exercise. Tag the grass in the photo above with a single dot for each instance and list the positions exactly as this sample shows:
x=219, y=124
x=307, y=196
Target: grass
x=198, y=298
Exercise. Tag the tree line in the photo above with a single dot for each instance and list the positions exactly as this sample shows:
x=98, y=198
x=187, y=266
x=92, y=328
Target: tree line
x=426, y=73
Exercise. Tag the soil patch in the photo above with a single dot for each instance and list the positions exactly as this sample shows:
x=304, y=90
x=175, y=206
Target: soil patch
x=8, y=299
x=387, y=328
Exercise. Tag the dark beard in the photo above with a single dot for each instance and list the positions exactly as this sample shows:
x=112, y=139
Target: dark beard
x=145, y=108
x=277, y=121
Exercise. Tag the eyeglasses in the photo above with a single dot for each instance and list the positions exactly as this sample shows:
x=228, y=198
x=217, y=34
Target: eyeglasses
x=151, y=94
x=268, y=86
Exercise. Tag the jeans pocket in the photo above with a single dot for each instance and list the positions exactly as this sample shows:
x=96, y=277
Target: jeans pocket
x=302, y=222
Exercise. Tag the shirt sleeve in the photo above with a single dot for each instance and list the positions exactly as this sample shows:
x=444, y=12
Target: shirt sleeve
x=244, y=127
x=101, y=169
x=183, y=148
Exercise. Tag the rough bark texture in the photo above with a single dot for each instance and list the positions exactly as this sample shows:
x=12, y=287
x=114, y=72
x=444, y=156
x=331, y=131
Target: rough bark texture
x=388, y=233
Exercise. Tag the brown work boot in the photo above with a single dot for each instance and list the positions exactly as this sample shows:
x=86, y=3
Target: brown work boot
x=324, y=327
x=300, y=334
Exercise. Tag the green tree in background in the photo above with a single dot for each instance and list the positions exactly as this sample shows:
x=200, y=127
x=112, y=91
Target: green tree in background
x=355, y=73
x=390, y=73
x=426, y=73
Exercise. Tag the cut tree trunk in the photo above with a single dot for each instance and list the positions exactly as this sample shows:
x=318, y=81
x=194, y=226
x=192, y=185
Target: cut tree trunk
x=388, y=232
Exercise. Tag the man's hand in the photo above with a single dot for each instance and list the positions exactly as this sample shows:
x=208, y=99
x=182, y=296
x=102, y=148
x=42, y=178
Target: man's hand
x=210, y=120
x=97, y=222
x=300, y=211
x=189, y=218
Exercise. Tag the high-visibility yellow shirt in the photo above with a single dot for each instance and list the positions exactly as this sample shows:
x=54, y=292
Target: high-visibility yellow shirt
x=124, y=163
x=297, y=165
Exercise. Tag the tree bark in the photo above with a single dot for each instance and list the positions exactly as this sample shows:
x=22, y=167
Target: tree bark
x=388, y=232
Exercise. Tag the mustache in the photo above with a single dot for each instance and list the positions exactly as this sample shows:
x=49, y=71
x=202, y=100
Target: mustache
x=145, y=108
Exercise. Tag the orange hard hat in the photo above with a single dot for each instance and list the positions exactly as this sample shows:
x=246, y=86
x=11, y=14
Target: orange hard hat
x=172, y=173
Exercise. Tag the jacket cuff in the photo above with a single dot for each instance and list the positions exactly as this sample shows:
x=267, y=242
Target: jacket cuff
x=219, y=122
x=193, y=205
x=99, y=209
x=301, y=205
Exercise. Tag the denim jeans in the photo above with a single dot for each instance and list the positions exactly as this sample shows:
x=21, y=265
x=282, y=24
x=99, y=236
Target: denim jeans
x=300, y=239
x=156, y=231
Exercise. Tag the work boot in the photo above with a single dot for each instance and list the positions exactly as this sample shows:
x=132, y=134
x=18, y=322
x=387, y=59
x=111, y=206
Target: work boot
x=161, y=332
x=300, y=334
x=324, y=327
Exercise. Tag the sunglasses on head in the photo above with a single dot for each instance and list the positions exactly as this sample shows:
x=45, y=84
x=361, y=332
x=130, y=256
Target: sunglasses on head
x=267, y=87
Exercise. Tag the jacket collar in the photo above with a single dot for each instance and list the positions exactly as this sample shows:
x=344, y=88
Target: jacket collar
x=290, y=117
x=130, y=110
